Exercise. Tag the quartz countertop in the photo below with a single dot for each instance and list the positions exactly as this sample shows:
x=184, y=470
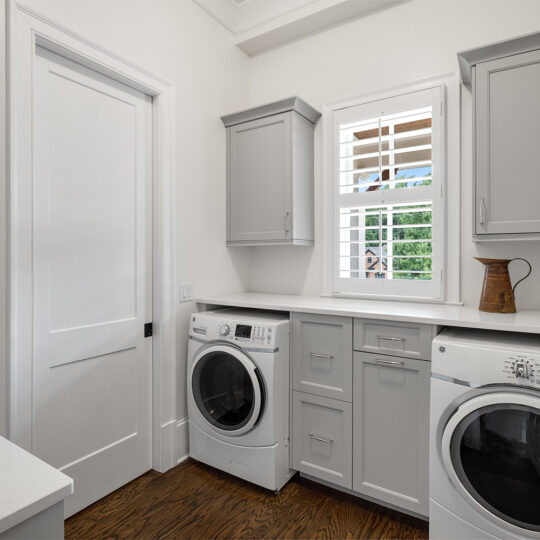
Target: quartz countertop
x=437, y=314
x=27, y=485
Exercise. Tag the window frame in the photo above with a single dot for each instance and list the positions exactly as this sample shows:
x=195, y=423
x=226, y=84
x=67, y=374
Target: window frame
x=398, y=289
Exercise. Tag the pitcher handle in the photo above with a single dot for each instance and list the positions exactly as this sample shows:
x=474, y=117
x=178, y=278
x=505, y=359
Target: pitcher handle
x=525, y=277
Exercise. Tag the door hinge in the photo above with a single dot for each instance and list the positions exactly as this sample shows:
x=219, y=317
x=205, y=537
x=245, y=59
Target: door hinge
x=148, y=329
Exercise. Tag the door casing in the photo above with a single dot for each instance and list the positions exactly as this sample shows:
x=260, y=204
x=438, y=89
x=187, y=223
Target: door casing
x=27, y=30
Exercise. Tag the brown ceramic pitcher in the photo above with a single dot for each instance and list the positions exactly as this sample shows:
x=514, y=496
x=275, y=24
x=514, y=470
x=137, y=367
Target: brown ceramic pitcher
x=497, y=291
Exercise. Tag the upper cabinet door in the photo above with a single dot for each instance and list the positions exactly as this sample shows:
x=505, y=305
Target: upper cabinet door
x=260, y=168
x=507, y=143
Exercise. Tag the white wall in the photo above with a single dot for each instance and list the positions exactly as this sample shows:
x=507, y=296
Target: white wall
x=177, y=41
x=413, y=41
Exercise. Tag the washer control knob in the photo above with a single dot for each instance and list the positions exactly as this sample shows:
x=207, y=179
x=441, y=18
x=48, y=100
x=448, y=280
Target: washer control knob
x=224, y=330
x=521, y=370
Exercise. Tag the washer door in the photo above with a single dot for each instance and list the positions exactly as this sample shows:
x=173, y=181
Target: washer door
x=227, y=389
x=491, y=450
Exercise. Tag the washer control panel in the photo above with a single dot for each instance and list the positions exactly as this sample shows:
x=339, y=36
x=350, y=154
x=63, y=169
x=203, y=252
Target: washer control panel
x=522, y=368
x=244, y=333
x=248, y=333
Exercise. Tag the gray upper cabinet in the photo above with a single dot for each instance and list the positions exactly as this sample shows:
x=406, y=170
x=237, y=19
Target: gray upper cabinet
x=270, y=174
x=505, y=83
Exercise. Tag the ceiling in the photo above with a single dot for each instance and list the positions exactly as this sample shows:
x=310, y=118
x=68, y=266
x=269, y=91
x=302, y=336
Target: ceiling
x=258, y=25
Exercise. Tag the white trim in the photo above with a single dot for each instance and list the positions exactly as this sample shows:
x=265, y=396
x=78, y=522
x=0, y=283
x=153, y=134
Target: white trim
x=451, y=132
x=3, y=232
x=27, y=29
x=175, y=441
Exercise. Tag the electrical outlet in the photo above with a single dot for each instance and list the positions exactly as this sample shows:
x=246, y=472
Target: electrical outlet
x=186, y=292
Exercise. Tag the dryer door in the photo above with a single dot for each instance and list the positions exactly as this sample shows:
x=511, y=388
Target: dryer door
x=227, y=389
x=491, y=450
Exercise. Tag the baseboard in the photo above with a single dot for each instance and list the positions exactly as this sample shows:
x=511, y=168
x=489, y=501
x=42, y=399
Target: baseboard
x=174, y=443
x=182, y=440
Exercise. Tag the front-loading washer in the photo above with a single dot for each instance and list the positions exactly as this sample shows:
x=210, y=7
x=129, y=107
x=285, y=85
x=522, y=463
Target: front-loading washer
x=485, y=435
x=238, y=393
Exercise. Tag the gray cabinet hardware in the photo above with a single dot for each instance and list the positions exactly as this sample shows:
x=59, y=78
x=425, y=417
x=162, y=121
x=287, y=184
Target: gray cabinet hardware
x=390, y=362
x=482, y=210
x=322, y=439
x=325, y=356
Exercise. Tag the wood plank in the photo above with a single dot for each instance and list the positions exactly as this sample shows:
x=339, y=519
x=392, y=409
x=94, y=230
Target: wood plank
x=196, y=501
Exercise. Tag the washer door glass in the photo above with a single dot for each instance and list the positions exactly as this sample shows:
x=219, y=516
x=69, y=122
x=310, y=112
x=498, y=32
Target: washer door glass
x=495, y=451
x=227, y=390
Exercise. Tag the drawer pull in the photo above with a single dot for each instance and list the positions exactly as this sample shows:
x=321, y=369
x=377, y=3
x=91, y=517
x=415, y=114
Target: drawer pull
x=322, y=439
x=391, y=338
x=325, y=356
x=390, y=362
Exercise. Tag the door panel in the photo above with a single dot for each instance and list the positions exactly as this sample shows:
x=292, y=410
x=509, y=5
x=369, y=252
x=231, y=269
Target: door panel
x=322, y=442
x=322, y=355
x=260, y=179
x=92, y=277
x=391, y=425
x=507, y=117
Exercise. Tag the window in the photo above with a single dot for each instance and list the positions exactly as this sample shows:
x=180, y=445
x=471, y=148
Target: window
x=388, y=197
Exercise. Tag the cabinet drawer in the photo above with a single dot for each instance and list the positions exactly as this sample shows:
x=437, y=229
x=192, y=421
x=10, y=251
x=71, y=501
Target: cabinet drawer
x=322, y=355
x=391, y=429
x=322, y=438
x=410, y=340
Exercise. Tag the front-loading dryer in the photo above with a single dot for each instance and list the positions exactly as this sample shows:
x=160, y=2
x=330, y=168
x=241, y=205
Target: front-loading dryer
x=485, y=435
x=238, y=393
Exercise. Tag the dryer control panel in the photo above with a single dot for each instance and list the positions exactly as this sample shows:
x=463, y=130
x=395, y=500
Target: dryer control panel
x=522, y=368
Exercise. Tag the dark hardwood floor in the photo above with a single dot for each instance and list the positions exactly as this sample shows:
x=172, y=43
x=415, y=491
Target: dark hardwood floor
x=196, y=501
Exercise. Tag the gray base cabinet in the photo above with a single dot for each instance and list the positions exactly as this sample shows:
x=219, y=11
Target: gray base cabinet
x=322, y=352
x=322, y=440
x=360, y=419
x=391, y=430
x=46, y=525
x=410, y=340
x=270, y=174
x=322, y=410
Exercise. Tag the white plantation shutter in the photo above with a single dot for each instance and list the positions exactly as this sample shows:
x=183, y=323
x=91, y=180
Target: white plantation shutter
x=388, y=195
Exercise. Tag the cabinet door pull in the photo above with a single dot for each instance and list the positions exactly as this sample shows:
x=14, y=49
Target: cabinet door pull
x=322, y=439
x=482, y=209
x=390, y=362
x=286, y=222
x=325, y=356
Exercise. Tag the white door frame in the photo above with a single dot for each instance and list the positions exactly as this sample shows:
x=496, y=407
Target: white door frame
x=27, y=30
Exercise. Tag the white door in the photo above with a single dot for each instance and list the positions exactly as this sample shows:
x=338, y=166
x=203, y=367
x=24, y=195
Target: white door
x=91, y=394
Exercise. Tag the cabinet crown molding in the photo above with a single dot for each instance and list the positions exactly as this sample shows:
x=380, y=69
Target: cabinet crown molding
x=468, y=59
x=284, y=105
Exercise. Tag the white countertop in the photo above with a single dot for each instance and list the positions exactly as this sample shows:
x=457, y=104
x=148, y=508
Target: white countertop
x=439, y=314
x=27, y=485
